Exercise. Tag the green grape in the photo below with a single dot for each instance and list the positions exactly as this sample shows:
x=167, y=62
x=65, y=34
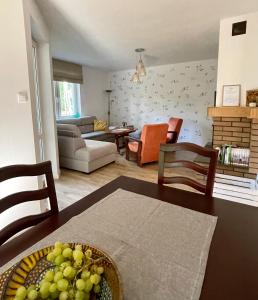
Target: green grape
x=54, y=295
x=85, y=274
x=58, y=276
x=69, y=272
x=42, y=281
x=59, y=259
x=58, y=244
x=71, y=293
x=78, y=247
x=49, y=276
x=63, y=295
x=67, y=252
x=57, y=251
x=88, y=286
x=51, y=256
x=77, y=263
x=80, y=284
x=66, y=245
x=53, y=288
x=88, y=253
x=30, y=288
x=100, y=270
x=44, y=289
x=94, y=268
x=96, y=289
x=79, y=295
x=64, y=265
x=21, y=292
x=62, y=285
x=95, y=279
x=32, y=295
x=77, y=255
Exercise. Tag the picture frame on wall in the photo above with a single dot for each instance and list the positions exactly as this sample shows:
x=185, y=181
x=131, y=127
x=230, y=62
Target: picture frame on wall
x=231, y=95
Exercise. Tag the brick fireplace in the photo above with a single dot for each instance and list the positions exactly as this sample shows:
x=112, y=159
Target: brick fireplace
x=235, y=126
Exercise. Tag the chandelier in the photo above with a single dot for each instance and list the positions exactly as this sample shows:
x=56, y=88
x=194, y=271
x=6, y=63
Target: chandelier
x=140, y=68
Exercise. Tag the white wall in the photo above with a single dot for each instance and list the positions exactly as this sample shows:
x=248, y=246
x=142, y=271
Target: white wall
x=16, y=124
x=238, y=56
x=93, y=96
x=182, y=90
x=17, y=121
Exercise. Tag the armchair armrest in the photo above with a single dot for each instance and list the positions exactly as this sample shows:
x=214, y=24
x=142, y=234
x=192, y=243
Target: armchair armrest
x=128, y=138
x=173, y=137
x=172, y=131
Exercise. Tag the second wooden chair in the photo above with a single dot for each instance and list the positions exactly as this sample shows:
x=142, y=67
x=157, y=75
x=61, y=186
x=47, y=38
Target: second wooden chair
x=177, y=155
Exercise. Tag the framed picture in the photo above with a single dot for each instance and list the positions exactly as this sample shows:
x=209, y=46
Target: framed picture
x=231, y=95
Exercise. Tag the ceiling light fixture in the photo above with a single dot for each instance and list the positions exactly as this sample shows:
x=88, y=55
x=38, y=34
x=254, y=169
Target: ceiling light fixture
x=140, y=68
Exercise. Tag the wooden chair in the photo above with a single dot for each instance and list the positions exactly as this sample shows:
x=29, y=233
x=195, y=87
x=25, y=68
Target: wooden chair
x=25, y=196
x=175, y=155
x=174, y=127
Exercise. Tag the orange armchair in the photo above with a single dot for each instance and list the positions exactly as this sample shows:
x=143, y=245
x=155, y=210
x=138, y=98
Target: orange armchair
x=174, y=127
x=146, y=149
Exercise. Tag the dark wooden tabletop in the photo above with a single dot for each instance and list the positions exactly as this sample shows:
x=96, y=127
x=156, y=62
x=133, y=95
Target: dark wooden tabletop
x=232, y=268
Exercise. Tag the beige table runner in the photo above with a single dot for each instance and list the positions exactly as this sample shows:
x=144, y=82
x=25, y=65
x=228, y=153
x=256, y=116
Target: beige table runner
x=160, y=249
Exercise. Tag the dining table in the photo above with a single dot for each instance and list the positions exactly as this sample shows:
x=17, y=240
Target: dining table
x=232, y=264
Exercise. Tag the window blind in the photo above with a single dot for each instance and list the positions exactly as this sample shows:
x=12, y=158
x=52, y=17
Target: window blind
x=67, y=71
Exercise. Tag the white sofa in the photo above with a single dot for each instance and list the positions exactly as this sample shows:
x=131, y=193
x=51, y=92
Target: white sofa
x=82, y=155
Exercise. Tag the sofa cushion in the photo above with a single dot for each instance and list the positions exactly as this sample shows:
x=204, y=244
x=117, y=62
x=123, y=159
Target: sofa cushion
x=68, y=145
x=68, y=130
x=95, y=150
x=78, y=121
x=86, y=128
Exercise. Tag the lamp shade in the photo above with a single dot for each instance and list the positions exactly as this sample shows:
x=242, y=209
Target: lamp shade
x=141, y=68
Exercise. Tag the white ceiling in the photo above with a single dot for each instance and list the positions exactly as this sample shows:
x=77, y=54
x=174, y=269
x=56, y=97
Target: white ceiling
x=104, y=33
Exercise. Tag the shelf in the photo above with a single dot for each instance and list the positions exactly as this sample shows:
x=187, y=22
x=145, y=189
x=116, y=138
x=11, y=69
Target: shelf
x=233, y=111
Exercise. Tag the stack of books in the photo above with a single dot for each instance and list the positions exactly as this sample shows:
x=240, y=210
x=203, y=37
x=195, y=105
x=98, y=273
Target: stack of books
x=233, y=155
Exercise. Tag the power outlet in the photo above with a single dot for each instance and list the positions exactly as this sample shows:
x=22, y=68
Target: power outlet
x=22, y=97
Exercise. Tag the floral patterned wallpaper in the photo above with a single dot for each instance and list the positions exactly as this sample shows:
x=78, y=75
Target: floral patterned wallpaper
x=182, y=90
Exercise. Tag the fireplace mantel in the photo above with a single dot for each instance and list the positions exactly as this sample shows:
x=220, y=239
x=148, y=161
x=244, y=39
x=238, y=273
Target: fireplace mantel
x=233, y=111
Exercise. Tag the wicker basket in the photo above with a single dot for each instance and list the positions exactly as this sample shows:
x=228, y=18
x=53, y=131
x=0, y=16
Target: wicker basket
x=31, y=269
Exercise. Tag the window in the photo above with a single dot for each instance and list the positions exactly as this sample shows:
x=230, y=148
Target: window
x=67, y=98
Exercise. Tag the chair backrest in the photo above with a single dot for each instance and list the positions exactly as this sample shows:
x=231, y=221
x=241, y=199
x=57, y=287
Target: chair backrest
x=14, y=171
x=152, y=136
x=175, y=155
x=174, y=124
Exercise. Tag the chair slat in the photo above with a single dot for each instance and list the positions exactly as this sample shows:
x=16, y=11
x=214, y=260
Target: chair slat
x=21, y=197
x=185, y=180
x=186, y=147
x=187, y=164
x=23, y=223
x=25, y=170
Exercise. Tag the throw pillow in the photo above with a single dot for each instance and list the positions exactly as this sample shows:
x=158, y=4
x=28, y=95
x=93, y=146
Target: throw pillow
x=100, y=125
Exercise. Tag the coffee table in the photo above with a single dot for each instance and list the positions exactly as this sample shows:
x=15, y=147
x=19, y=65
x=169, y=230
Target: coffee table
x=120, y=133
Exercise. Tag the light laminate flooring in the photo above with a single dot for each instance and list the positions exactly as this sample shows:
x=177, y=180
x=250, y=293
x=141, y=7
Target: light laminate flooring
x=73, y=185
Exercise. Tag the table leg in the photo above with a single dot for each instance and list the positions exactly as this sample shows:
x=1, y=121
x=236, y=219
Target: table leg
x=117, y=144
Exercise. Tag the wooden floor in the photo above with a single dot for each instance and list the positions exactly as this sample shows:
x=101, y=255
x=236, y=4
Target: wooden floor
x=74, y=185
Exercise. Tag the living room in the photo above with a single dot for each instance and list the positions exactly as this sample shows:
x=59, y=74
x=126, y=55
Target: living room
x=107, y=100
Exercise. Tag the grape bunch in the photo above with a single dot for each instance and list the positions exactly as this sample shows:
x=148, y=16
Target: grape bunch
x=75, y=275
